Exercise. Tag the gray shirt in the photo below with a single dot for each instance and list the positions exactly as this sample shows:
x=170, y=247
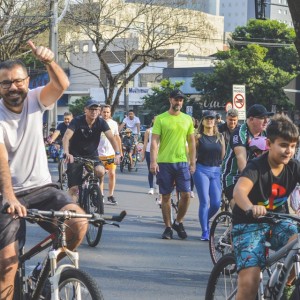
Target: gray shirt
x=22, y=135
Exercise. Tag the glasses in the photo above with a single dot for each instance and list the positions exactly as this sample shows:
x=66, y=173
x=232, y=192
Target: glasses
x=6, y=84
x=266, y=118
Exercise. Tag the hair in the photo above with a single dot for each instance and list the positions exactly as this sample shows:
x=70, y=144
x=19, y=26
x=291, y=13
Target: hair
x=281, y=126
x=215, y=131
x=131, y=110
x=10, y=64
x=106, y=106
x=67, y=113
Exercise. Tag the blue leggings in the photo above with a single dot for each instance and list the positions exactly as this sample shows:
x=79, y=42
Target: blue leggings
x=150, y=175
x=208, y=184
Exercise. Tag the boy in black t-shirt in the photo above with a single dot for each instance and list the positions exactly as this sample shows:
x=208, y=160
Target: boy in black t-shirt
x=129, y=144
x=265, y=184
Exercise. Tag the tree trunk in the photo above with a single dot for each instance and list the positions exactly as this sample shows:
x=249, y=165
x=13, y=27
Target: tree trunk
x=295, y=13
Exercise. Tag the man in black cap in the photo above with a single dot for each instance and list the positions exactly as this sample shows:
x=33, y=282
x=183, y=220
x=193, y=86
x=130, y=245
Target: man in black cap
x=238, y=152
x=171, y=132
x=82, y=139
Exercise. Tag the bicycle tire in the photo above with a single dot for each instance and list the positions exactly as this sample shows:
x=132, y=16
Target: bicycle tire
x=71, y=279
x=222, y=283
x=220, y=236
x=94, y=204
x=62, y=175
x=122, y=163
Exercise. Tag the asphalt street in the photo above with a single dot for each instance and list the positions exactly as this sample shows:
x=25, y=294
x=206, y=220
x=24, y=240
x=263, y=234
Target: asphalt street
x=133, y=262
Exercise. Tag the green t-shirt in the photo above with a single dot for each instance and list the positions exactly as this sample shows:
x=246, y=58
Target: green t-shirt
x=173, y=132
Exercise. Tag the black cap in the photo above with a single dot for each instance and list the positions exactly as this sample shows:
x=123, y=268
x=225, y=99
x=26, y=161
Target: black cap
x=209, y=114
x=177, y=94
x=91, y=103
x=258, y=110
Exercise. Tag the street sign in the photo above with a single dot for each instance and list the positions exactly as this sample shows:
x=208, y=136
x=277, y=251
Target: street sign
x=228, y=106
x=239, y=100
x=189, y=110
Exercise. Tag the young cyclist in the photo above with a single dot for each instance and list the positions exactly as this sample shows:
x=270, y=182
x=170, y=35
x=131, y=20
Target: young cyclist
x=129, y=144
x=265, y=184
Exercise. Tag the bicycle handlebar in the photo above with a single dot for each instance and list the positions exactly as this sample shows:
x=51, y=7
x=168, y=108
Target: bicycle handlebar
x=273, y=217
x=95, y=218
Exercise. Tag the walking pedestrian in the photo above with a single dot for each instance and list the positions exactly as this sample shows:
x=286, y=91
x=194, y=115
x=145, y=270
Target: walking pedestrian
x=169, y=161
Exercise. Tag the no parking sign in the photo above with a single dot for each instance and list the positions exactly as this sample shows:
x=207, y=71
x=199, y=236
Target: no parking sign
x=239, y=100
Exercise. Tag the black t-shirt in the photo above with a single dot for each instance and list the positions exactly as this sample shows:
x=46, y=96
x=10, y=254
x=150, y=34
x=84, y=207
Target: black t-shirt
x=268, y=190
x=209, y=151
x=62, y=127
x=85, y=140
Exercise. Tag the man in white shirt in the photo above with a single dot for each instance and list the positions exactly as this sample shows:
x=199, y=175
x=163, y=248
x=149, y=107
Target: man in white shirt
x=107, y=153
x=131, y=122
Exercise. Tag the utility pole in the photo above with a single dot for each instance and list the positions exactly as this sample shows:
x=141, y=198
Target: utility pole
x=126, y=93
x=53, y=41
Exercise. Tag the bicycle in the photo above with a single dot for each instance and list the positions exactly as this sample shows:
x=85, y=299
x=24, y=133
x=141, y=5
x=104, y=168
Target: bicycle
x=222, y=283
x=125, y=162
x=51, y=281
x=90, y=198
x=220, y=232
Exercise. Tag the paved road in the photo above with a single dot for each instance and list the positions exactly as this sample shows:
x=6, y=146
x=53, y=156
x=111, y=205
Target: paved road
x=133, y=262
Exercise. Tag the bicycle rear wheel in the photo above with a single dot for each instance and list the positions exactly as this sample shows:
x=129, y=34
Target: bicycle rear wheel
x=220, y=236
x=77, y=284
x=94, y=204
x=222, y=283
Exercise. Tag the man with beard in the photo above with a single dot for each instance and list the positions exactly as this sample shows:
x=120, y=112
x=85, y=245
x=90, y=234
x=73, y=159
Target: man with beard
x=25, y=180
x=172, y=130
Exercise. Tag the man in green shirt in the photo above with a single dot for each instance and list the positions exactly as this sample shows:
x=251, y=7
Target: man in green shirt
x=172, y=162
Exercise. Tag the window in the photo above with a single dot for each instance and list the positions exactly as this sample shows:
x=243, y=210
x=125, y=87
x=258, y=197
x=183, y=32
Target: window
x=109, y=21
x=149, y=79
x=94, y=48
x=76, y=48
x=279, y=11
x=181, y=29
x=85, y=48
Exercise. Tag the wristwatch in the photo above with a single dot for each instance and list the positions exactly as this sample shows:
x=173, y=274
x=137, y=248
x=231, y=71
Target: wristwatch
x=117, y=153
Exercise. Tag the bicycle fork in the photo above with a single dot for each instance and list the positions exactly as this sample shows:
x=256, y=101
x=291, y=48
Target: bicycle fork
x=56, y=272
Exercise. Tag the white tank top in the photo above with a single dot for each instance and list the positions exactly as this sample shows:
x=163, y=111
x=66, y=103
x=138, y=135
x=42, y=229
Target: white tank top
x=149, y=140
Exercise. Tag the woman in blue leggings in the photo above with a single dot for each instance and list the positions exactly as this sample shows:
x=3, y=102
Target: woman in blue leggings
x=207, y=177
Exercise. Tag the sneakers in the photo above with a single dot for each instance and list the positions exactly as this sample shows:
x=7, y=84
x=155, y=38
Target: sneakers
x=151, y=191
x=205, y=236
x=111, y=200
x=168, y=234
x=192, y=194
x=180, y=230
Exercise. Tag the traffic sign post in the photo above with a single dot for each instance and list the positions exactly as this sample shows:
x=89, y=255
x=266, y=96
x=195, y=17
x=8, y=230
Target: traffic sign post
x=239, y=100
x=228, y=106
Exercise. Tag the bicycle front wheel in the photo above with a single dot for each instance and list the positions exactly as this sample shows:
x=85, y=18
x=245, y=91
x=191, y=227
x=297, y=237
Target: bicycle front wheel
x=220, y=236
x=77, y=284
x=94, y=204
x=222, y=283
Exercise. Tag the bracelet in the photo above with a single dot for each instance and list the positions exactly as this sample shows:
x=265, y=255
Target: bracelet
x=47, y=62
x=117, y=153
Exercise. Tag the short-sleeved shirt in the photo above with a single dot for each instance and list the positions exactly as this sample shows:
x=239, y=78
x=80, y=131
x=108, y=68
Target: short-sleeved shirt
x=62, y=128
x=128, y=141
x=268, y=190
x=173, y=131
x=22, y=135
x=105, y=148
x=85, y=139
x=241, y=136
x=132, y=124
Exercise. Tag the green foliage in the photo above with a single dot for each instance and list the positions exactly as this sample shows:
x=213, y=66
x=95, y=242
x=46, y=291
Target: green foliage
x=77, y=107
x=158, y=101
x=263, y=70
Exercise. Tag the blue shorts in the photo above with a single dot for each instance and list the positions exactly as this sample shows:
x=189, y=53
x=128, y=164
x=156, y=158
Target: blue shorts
x=249, y=241
x=171, y=174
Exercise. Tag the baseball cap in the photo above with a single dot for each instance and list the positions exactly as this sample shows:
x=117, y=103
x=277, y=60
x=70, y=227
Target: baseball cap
x=232, y=113
x=209, y=114
x=177, y=94
x=258, y=110
x=91, y=103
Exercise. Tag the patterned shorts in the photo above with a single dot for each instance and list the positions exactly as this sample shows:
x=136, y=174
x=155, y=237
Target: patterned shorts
x=249, y=241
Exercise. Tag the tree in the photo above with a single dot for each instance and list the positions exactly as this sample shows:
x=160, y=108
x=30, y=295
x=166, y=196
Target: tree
x=158, y=101
x=135, y=34
x=77, y=107
x=19, y=22
x=252, y=65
